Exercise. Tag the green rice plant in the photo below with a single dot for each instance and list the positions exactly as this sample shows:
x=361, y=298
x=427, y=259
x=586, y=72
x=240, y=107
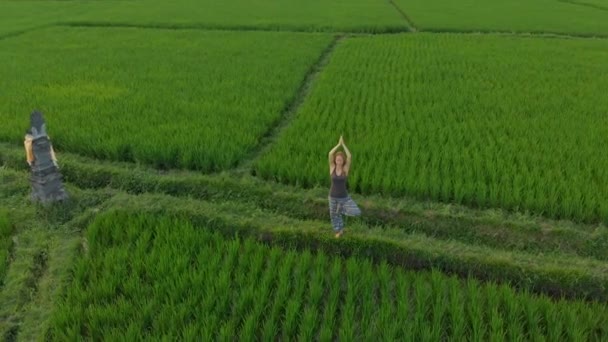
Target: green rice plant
x=271, y=325
x=308, y=324
x=533, y=319
x=544, y=16
x=248, y=276
x=514, y=315
x=366, y=293
x=294, y=304
x=386, y=304
x=480, y=120
x=422, y=313
x=266, y=287
x=292, y=317
x=314, y=302
x=347, y=325
x=169, y=98
x=334, y=284
x=326, y=333
x=249, y=326
x=402, y=294
x=457, y=317
x=476, y=312
x=495, y=314
x=555, y=326
x=226, y=332
x=265, y=293
x=439, y=305
x=316, y=287
x=573, y=331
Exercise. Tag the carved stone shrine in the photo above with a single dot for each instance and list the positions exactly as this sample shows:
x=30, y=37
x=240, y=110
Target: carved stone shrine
x=47, y=186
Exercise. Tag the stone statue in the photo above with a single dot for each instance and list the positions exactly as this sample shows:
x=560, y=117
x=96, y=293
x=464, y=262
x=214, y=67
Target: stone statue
x=46, y=180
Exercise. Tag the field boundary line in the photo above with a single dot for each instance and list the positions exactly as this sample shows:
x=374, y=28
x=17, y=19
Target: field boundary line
x=22, y=283
x=404, y=15
x=585, y=4
x=13, y=34
x=530, y=34
x=237, y=28
x=408, y=30
x=291, y=108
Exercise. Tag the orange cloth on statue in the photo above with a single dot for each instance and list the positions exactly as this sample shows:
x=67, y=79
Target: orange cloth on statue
x=29, y=154
x=53, y=155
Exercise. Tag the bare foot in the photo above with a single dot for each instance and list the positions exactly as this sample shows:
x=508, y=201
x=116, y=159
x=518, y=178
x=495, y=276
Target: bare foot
x=338, y=234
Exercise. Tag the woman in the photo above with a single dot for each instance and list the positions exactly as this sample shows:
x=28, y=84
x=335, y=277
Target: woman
x=340, y=202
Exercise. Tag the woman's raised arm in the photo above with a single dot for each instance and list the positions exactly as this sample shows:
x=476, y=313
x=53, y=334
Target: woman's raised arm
x=348, y=156
x=330, y=157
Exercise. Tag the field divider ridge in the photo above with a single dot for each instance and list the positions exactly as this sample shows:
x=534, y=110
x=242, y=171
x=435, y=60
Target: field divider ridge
x=291, y=108
x=585, y=4
x=488, y=227
x=46, y=240
x=352, y=33
x=245, y=28
x=404, y=15
x=13, y=34
x=522, y=34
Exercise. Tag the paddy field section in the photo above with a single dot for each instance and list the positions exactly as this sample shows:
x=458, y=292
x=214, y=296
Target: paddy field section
x=535, y=16
x=160, y=269
x=370, y=16
x=481, y=120
x=19, y=16
x=193, y=139
x=315, y=15
x=190, y=99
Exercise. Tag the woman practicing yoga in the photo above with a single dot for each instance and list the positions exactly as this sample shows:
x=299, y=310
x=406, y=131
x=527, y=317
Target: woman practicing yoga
x=340, y=202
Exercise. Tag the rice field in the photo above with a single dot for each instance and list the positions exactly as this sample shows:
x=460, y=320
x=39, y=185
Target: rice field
x=150, y=277
x=488, y=121
x=16, y=16
x=541, y=16
x=601, y=5
x=190, y=99
x=312, y=15
x=266, y=87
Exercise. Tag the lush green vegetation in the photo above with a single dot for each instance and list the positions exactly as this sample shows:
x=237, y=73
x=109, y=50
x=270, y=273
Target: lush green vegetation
x=472, y=155
x=490, y=121
x=18, y=16
x=541, y=16
x=190, y=99
x=597, y=4
x=148, y=277
x=312, y=15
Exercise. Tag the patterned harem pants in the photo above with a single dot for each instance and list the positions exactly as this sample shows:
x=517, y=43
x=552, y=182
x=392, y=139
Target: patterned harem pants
x=342, y=206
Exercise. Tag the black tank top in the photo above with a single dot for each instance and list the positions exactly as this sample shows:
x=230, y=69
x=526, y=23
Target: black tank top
x=338, y=185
